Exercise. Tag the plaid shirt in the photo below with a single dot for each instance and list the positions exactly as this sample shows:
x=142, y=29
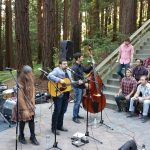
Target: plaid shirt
x=128, y=84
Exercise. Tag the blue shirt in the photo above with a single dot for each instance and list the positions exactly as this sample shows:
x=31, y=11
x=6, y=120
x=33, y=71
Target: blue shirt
x=144, y=89
x=58, y=74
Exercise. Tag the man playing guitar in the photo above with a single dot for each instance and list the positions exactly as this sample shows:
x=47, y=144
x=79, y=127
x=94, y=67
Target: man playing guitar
x=60, y=102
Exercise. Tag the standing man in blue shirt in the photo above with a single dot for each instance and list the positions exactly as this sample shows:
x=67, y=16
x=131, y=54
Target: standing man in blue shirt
x=78, y=75
x=60, y=102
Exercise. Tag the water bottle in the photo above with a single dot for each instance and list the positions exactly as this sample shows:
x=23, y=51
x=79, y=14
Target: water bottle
x=95, y=123
x=47, y=142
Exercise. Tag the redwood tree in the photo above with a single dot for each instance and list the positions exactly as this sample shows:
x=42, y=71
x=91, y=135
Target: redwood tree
x=48, y=33
x=22, y=33
x=128, y=16
x=40, y=29
x=65, y=20
x=75, y=24
x=1, y=52
x=8, y=33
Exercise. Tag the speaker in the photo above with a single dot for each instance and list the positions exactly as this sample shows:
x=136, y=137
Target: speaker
x=129, y=145
x=66, y=50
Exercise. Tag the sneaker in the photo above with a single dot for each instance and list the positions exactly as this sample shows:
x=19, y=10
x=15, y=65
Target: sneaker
x=144, y=119
x=63, y=129
x=131, y=114
x=76, y=120
x=80, y=117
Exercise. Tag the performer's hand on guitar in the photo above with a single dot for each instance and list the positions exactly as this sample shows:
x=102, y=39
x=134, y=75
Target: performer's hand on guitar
x=62, y=81
x=80, y=82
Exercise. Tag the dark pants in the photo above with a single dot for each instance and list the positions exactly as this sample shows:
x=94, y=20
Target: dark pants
x=120, y=98
x=60, y=107
x=120, y=67
x=31, y=127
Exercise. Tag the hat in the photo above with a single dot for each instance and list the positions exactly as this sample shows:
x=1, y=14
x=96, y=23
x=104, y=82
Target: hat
x=27, y=69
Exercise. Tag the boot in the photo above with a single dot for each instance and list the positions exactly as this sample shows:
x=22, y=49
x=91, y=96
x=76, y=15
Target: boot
x=22, y=139
x=34, y=140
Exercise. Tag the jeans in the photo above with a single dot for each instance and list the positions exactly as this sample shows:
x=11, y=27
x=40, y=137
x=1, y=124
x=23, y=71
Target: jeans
x=60, y=107
x=78, y=97
x=146, y=104
x=31, y=127
x=120, y=67
x=120, y=98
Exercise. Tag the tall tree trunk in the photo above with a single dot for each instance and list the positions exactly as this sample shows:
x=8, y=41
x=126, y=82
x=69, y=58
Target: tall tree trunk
x=102, y=21
x=106, y=20
x=96, y=20
x=8, y=32
x=148, y=10
x=22, y=34
x=48, y=34
x=40, y=29
x=75, y=24
x=141, y=13
x=115, y=21
x=128, y=16
x=1, y=51
x=65, y=20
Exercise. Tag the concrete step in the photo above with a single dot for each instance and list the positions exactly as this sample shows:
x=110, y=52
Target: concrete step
x=113, y=81
x=111, y=104
x=142, y=56
x=147, y=46
x=111, y=88
x=109, y=95
x=115, y=76
x=143, y=52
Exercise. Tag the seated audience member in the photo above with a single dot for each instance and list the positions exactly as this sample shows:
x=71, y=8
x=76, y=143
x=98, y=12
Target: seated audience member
x=144, y=88
x=148, y=68
x=139, y=70
x=127, y=89
x=147, y=62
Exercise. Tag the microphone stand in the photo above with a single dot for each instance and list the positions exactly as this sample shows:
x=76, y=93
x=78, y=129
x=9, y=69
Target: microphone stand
x=55, y=137
x=17, y=121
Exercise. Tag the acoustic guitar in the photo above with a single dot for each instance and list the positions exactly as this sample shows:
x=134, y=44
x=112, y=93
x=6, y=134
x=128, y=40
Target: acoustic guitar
x=61, y=88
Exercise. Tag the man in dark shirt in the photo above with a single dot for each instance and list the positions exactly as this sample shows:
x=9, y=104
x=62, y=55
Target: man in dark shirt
x=78, y=75
x=139, y=70
x=127, y=89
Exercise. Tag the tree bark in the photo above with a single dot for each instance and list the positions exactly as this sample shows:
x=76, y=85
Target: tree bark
x=128, y=16
x=141, y=13
x=40, y=29
x=48, y=34
x=96, y=20
x=1, y=51
x=115, y=21
x=75, y=24
x=22, y=34
x=148, y=10
x=65, y=20
x=102, y=21
x=8, y=32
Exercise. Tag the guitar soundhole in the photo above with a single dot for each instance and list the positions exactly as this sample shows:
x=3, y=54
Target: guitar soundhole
x=62, y=88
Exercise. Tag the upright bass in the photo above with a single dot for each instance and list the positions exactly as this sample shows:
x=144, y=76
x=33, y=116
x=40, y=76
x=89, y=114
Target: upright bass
x=94, y=100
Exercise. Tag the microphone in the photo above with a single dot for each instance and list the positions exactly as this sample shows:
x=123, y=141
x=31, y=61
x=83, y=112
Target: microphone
x=8, y=69
x=43, y=71
x=71, y=70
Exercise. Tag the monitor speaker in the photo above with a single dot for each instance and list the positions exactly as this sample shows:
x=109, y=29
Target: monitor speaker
x=129, y=145
x=66, y=50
